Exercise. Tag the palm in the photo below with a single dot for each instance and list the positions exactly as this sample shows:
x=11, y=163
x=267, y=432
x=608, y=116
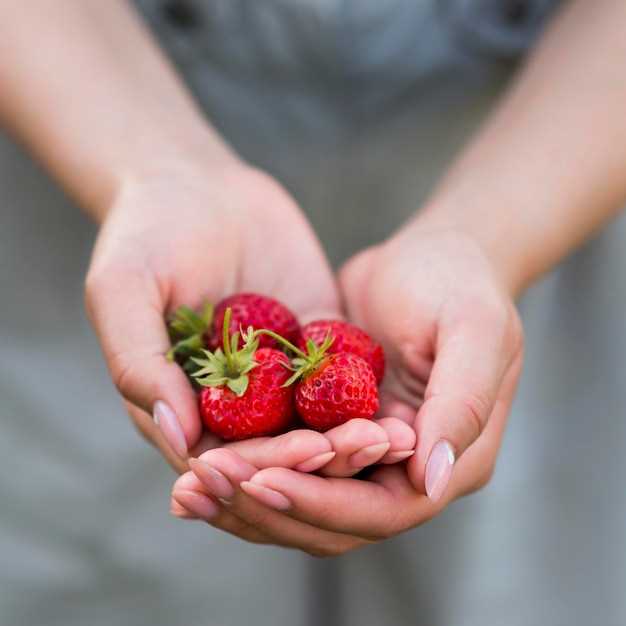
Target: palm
x=400, y=309
x=426, y=296
x=211, y=240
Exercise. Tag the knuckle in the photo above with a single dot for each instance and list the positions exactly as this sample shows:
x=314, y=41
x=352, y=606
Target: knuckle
x=124, y=373
x=215, y=455
x=477, y=408
x=291, y=443
x=98, y=280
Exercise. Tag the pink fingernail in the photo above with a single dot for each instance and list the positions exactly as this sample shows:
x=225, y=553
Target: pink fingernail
x=265, y=495
x=315, y=462
x=397, y=456
x=197, y=503
x=212, y=479
x=439, y=469
x=368, y=455
x=165, y=418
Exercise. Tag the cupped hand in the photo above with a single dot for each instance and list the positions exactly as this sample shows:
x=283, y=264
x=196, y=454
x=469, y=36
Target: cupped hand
x=454, y=343
x=190, y=233
x=183, y=236
x=453, y=339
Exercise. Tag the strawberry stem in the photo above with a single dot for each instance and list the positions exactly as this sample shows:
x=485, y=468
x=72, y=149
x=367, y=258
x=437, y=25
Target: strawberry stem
x=280, y=339
x=226, y=339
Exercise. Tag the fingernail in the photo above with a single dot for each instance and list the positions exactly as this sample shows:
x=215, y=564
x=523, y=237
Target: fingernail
x=197, y=503
x=265, y=495
x=212, y=479
x=368, y=455
x=397, y=456
x=439, y=469
x=165, y=418
x=315, y=462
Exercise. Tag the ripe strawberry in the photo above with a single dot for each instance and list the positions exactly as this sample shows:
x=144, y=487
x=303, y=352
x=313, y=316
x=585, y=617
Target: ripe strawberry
x=333, y=388
x=339, y=389
x=347, y=338
x=251, y=309
x=244, y=392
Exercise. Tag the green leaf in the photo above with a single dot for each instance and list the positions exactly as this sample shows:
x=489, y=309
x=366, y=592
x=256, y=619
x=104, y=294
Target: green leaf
x=213, y=380
x=186, y=322
x=186, y=347
x=238, y=385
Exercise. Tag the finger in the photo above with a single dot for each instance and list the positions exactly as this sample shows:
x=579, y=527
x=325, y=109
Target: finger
x=360, y=443
x=179, y=511
x=477, y=465
x=470, y=363
x=127, y=311
x=189, y=496
x=357, y=444
x=362, y=508
x=401, y=437
x=304, y=450
x=222, y=471
x=152, y=433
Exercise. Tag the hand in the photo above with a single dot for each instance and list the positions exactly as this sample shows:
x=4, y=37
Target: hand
x=213, y=490
x=184, y=236
x=454, y=343
x=189, y=234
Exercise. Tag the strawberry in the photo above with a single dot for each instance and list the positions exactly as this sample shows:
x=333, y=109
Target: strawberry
x=251, y=309
x=244, y=392
x=347, y=338
x=332, y=388
x=341, y=387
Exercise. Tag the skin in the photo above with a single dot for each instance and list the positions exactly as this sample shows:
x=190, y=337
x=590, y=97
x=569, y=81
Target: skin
x=149, y=258
x=555, y=151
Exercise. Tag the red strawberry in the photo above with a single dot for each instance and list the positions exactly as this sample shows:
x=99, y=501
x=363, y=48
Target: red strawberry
x=347, y=338
x=333, y=388
x=244, y=393
x=251, y=309
x=340, y=388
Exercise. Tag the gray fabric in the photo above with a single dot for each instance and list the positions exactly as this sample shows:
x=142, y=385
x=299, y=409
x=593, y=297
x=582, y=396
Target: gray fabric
x=359, y=131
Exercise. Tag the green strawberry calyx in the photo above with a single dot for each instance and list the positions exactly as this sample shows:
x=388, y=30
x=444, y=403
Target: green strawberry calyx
x=304, y=363
x=187, y=329
x=228, y=367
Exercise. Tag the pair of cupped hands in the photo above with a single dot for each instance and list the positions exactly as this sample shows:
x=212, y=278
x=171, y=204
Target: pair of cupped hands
x=429, y=294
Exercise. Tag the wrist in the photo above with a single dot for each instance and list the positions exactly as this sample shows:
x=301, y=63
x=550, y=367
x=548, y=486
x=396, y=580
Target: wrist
x=493, y=241
x=178, y=162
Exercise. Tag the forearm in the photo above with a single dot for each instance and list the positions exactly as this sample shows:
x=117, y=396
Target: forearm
x=88, y=92
x=549, y=166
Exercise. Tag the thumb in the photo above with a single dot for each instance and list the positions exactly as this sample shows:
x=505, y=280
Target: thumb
x=127, y=311
x=470, y=364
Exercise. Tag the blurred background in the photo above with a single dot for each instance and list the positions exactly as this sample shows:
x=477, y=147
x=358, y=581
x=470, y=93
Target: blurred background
x=85, y=534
